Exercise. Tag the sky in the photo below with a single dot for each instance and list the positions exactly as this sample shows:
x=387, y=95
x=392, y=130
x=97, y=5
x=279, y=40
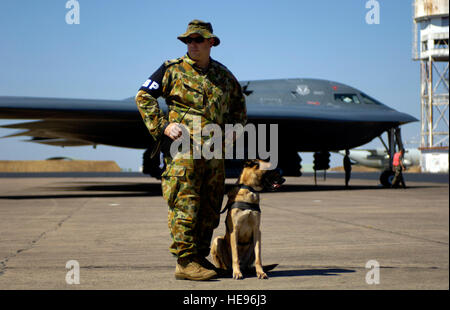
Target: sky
x=118, y=44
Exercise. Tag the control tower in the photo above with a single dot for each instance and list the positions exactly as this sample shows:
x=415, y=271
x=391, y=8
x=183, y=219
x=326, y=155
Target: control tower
x=430, y=47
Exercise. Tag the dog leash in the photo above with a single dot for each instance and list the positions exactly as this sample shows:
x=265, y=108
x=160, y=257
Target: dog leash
x=164, y=142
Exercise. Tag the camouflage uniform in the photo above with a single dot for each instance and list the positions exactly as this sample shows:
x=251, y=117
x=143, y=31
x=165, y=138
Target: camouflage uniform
x=193, y=188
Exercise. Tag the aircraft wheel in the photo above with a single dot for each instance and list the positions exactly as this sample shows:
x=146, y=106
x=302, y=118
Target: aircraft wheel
x=386, y=178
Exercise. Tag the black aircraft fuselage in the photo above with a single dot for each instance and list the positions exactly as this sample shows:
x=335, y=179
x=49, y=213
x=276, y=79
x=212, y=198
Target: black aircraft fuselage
x=316, y=115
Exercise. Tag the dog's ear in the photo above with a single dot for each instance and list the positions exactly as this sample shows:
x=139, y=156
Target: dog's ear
x=251, y=163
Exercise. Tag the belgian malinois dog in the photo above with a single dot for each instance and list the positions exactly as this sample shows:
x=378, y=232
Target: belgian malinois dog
x=241, y=245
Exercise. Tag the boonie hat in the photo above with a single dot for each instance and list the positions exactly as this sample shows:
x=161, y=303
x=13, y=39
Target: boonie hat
x=202, y=28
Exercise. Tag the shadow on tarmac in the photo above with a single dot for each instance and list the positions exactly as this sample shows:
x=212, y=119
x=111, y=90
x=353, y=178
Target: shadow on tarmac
x=308, y=272
x=98, y=190
x=251, y=273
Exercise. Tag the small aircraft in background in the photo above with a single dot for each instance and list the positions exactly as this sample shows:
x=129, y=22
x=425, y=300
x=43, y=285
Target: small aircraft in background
x=312, y=115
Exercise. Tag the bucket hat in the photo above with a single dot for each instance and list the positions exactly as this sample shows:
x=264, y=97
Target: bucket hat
x=202, y=28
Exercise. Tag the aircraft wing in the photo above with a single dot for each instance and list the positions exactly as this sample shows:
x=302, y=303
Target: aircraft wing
x=76, y=122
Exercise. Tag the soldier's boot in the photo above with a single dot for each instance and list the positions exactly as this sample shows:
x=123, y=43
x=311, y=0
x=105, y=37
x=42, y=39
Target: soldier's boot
x=190, y=268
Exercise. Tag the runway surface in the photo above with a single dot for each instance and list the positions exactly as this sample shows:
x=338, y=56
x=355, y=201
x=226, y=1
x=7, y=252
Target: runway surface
x=322, y=237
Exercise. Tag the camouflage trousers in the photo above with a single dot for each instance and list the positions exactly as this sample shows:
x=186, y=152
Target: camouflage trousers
x=194, y=190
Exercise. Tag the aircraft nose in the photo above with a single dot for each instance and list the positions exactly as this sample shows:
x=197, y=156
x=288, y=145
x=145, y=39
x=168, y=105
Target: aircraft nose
x=394, y=116
x=406, y=118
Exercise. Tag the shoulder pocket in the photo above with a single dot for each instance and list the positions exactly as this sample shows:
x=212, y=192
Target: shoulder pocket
x=192, y=87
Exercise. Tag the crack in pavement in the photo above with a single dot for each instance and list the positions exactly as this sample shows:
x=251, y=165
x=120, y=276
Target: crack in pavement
x=33, y=242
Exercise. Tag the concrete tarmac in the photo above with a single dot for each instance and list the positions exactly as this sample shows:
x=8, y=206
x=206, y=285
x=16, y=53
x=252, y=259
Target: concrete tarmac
x=323, y=238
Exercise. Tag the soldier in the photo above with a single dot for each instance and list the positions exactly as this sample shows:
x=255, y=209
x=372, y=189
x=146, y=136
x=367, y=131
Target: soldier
x=194, y=85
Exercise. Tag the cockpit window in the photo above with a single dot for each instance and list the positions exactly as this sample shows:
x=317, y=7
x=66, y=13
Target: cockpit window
x=347, y=98
x=367, y=100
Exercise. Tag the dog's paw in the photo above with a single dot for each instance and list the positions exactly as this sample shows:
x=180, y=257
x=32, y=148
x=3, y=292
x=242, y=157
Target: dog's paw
x=237, y=275
x=262, y=275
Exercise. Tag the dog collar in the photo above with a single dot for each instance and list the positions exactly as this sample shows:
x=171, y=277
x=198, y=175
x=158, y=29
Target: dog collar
x=248, y=187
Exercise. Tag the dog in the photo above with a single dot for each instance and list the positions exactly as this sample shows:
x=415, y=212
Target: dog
x=241, y=245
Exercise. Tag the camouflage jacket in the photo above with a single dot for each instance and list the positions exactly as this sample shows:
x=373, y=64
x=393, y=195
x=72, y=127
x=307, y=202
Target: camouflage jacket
x=215, y=95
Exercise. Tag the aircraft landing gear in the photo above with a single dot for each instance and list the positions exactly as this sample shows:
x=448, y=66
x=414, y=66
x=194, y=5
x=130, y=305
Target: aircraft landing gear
x=395, y=140
x=386, y=178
